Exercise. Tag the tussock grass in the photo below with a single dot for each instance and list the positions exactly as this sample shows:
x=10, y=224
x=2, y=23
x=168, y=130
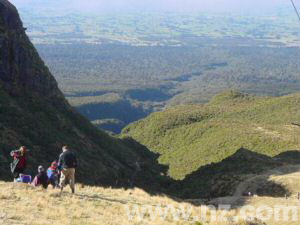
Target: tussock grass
x=22, y=204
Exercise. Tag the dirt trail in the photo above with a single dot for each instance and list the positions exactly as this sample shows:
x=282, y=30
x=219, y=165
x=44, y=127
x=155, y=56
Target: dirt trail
x=288, y=173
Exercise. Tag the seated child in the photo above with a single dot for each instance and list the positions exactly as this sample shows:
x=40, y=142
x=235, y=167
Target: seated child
x=53, y=174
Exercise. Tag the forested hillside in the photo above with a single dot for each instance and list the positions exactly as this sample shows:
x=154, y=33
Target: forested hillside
x=191, y=136
x=147, y=79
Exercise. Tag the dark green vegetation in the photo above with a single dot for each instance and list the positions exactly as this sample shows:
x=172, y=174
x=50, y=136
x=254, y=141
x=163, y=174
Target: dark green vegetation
x=200, y=143
x=44, y=125
x=127, y=83
x=191, y=136
x=158, y=73
x=33, y=112
x=152, y=60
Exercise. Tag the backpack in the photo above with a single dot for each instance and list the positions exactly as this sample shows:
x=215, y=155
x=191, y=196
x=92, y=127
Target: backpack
x=26, y=179
x=13, y=165
x=69, y=160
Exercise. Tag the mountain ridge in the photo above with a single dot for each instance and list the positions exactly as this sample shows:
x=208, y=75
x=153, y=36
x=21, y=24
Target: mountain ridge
x=34, y=112
x=21, y=67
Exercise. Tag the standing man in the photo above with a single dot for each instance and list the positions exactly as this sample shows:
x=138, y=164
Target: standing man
x=67, y=164
x=18, y=166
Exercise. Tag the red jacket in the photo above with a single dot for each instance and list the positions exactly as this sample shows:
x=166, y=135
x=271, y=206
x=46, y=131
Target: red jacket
x=22, y=160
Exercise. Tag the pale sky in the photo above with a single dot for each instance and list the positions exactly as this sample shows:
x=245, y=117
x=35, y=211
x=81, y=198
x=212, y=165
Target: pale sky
x=164, y=5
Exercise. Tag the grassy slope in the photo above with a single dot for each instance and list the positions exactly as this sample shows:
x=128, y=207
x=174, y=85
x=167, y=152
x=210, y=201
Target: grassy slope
x=23, y=204
x=191, y=136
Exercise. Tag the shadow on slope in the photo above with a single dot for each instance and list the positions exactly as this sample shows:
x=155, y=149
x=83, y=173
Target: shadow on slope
x=223, y=178
x=122, y=111
x=44, y=125
x=244, y=171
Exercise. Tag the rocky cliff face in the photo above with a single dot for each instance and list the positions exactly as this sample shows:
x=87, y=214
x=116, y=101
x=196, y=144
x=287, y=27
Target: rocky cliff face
x=33, y=112
x=21, y=68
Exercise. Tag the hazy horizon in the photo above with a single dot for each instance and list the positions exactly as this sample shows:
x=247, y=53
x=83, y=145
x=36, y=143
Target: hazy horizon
x=160, y=5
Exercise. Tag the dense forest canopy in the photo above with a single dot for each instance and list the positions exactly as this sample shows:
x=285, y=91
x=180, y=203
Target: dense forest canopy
x=117, y=68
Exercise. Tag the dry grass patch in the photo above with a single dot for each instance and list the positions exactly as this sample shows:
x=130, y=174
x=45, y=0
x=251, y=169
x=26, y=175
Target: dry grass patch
x=22, y=204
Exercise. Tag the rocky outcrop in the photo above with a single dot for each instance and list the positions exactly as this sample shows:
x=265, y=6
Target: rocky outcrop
x=34, y=113
x=21, y=68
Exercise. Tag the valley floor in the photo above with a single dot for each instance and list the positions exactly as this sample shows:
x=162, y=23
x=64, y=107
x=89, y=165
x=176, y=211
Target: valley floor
x=23, y=204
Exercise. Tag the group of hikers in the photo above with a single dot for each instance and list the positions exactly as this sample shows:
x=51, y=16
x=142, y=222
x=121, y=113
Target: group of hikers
x=58, y=174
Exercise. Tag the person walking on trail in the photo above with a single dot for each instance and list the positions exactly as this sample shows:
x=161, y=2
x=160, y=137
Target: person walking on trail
x=41, y=179
x=18, y=166
x=67, y=164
